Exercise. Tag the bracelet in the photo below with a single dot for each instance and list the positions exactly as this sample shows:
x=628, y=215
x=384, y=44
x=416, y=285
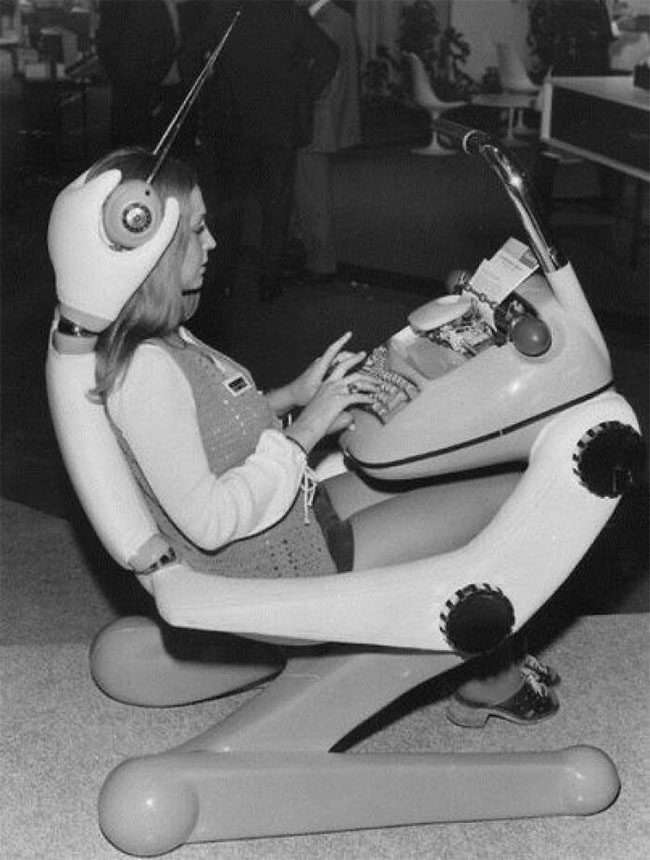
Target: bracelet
x=297, y=444
x=166, y=558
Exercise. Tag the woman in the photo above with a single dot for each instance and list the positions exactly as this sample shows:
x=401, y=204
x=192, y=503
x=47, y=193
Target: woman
x=228, y=486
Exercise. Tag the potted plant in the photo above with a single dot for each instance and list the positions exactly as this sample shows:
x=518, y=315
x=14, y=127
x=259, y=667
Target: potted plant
x=443, y=51
x=570, y=38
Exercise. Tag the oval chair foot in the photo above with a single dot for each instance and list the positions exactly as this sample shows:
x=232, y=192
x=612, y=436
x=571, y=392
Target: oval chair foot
x=139, y=662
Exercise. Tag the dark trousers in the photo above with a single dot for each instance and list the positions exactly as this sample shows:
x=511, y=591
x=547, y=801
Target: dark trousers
x=263, y=170
x=132, y=104
x=141, y=111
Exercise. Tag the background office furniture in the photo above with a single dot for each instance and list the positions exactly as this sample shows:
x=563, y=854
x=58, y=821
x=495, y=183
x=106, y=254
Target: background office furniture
x=605, y=120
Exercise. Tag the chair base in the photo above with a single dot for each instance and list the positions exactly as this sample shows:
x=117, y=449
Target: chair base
x=138, y=662
x=434, y=148
x=268, y=770
x=154, y=804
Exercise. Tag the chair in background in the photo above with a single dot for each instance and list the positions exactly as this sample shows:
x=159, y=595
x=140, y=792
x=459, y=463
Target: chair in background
x=519, y=94
x=514, y=79
x=425, y=97
x=512, y=72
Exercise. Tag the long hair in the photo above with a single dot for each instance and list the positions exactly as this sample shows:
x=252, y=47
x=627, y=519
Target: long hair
x=157, y=307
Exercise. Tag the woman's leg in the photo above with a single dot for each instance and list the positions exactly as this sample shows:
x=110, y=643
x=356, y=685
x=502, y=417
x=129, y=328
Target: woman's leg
x=426, y=521
x=398, y=527
x=497, y=676
x=349, y=493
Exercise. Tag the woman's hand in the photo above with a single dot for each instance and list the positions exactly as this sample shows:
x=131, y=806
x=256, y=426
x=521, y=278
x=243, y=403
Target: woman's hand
x=91, y=277
x=325, y=413
x=301, y=390
x=307, y=384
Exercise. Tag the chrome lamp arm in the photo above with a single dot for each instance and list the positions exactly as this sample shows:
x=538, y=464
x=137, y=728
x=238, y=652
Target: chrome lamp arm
x=516, y=183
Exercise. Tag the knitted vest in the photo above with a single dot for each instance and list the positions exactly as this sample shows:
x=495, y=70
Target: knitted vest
x=232, y=413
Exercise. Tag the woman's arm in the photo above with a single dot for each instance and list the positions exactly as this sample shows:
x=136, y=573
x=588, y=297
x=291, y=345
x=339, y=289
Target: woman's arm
x=155, y=411
x=281, y=400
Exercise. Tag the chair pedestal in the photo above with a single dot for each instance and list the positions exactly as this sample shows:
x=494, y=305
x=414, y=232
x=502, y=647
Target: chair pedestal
x=425, y=97
x=434, y=147
x=320, y=698
x=266, y=770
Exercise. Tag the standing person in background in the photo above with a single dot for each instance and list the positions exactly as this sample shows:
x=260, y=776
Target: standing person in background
x=256, y=114
x=631, y=26
x=337, y=126
x=138, y=44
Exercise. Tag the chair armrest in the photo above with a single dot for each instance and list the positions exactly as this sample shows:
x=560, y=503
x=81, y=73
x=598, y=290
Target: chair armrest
x=527, y=551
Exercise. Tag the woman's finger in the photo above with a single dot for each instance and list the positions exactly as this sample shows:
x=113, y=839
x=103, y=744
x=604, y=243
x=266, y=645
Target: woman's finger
x=342, y=420
x=363, y=389
x=359, y=398
x=348, y=360
x=363, y=381
x=335, y=348
x=344, y=366
x=345, y=354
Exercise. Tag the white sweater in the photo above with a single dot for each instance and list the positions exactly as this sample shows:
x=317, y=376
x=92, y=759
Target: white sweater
x=154, y=409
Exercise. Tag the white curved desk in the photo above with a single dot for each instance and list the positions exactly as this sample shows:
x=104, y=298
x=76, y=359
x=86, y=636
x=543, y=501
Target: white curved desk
x=603, y=119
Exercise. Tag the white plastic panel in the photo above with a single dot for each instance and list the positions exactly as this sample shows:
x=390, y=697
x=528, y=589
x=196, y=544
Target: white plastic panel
x=96, y=466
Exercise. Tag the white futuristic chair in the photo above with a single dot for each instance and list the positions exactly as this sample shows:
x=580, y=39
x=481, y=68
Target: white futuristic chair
x=268, y=769
x=513, y=75
x=514, y=79
x=425, y=97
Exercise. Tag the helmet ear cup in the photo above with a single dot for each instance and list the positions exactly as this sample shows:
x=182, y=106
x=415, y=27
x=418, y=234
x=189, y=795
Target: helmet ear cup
x=132, y=213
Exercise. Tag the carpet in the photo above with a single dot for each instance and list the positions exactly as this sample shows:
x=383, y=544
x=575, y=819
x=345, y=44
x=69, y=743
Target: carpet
x=60, y=737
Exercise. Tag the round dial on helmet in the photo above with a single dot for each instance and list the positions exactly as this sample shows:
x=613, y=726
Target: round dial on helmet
x=132, y=214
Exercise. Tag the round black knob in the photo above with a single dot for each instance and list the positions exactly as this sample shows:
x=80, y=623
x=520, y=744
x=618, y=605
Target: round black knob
x=477, y=619
x=609, y=458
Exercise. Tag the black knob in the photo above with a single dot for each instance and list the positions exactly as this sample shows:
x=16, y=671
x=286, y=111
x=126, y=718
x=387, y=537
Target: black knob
x=477, y=619
x=609, y=458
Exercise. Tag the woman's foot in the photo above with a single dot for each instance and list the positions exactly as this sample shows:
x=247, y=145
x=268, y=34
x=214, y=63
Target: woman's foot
x=545, y=673
x=532, y=702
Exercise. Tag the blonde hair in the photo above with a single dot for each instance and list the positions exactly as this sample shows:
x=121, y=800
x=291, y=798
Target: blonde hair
x=157, y=308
